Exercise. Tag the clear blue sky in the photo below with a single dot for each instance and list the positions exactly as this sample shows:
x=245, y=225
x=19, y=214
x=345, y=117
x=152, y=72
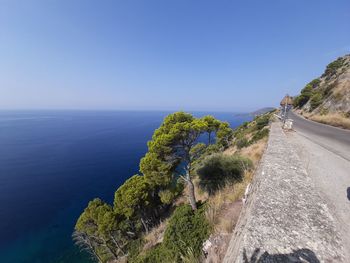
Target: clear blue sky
x=165, y=54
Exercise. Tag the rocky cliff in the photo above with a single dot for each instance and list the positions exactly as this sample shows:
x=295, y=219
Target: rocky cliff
x=330, y=93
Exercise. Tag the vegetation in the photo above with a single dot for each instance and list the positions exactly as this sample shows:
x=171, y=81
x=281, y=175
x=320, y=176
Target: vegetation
x=186, y=230
x=332, y=67
x=249, y=133
x=101, y=232
x=316, y=100
x=177, y=147
x=182, y=149
x=334, y=119
x=315, y=93
x=218, y=169
x=306, y=94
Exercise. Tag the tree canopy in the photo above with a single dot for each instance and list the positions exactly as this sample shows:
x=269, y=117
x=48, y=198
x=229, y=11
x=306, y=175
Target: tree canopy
x=175, y=146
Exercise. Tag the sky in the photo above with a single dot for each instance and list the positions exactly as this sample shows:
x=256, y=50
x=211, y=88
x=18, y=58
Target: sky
x=165, y=55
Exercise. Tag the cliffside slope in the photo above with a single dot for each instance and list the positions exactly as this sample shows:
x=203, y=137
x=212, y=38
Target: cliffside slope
x=327, y=98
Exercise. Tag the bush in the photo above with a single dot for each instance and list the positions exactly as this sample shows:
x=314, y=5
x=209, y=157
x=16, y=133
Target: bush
x=242, y=142
x=187, y=229
x=305, y=94
x=300, y=101
x=262, y=121
x=217, y=169
x=316, y=100
x=134, y=248
x=259, y=135
x=332, y=67
x=314, y=83
x=157, y=254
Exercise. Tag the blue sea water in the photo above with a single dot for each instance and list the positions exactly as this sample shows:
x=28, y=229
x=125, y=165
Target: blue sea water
x=53, y=162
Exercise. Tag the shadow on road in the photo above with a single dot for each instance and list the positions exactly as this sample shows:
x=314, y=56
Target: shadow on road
x=298, y=256
x=348, y=192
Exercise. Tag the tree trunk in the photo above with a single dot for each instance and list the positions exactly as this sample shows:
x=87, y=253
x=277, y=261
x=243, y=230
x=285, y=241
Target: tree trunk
x=191, y=194
x=144, y=225
x=92, y=249
x=117, y=244
x=111, y=251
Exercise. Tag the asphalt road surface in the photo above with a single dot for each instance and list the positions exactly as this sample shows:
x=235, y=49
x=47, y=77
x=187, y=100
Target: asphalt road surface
x=325, y=152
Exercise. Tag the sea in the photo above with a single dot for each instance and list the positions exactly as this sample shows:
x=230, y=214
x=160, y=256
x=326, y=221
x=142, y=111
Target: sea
x=52, y=163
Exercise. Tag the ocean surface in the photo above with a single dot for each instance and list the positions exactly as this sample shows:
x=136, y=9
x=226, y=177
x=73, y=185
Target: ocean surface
x=52, y=163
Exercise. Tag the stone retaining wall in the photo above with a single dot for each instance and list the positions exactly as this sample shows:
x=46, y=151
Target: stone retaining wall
x=284, y=218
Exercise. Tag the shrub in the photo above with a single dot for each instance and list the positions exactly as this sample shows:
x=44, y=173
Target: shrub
x=187, y=229
x=157, y=254
x=316, y=100
x=242, y=142
x=262, y=121
x=332, y=67
x=217, y=169
x=305, y=94
x=134, y=249
x=314, y=83
x=259, y=135
x=301, y=100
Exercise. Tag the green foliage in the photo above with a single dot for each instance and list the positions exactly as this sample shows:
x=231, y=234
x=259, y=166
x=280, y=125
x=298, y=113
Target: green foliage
x=186, y=229
x=134, y=249
x=306, y=94
x=167, y=196
x=316, y=100
x=332, y=67
x=109, y=232
x=224, y=135
x=300, y=100
x=132, y=195
x=135, y=200
x=213, y=126
x=170, y=145
x=262, y=121
x=175, y=148
x=97, y=225
x=259, y=135
x=88, y=221
x=314, y=83
x=157, y=254
x=242, y=142
x=156, y=171
x=254, y=128
x=218, y=169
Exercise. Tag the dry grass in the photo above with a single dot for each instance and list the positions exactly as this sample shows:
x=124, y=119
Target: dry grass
x=231, y=193
x=254, y=151
x=190, y=257
x=341, y=88
x=225, y=206
x=221, y=212
x=155, y=236
x=334, y=119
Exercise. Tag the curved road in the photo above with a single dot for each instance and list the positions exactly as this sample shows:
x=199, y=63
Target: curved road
x=332, y=138
x=325, y=152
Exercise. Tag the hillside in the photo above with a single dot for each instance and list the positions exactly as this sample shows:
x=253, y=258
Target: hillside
x=327, y=98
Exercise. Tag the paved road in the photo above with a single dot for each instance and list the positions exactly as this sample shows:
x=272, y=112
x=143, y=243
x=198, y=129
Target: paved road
x=325, y=151
x=334, y=139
